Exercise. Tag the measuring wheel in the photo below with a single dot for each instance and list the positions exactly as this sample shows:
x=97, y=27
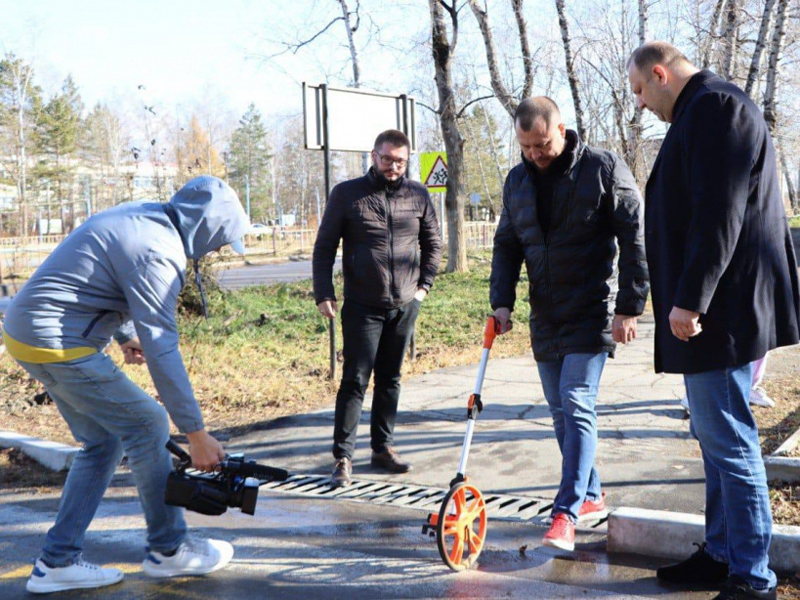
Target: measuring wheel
x=461, y=526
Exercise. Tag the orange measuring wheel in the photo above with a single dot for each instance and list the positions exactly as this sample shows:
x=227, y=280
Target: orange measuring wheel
x=461, y=526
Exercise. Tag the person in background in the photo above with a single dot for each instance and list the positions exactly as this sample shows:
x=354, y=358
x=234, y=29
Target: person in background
x=390, y=257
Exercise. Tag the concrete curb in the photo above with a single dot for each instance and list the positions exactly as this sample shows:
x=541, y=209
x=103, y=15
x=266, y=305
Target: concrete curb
x=52, y=455
x=671, y=535
x=783, y=468
x=790, y=444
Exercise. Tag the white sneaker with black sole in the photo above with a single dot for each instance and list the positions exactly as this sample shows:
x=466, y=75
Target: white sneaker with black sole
x=193, y=557
x=78, y=575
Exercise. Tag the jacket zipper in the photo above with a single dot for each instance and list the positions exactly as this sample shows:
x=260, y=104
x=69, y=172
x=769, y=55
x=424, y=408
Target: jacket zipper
x=390, y=232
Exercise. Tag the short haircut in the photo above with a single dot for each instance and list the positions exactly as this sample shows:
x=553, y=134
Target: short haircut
x=655, y=53
x=532, y=108
x=394, y=137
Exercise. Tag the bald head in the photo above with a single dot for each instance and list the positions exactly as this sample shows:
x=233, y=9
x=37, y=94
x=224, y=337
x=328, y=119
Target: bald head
x=657, y=72
x=657, y=53
x=540, y=131
x=537, y=107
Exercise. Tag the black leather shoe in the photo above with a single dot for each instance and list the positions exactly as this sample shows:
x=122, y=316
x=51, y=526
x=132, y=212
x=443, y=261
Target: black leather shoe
x=698, y=568
x=342, y=473
x=736, y=589
x=390, y=460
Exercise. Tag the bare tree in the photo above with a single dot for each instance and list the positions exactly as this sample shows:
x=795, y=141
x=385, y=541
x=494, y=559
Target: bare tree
x=352, y=20
x=761, y=43
x=572, y=77
x=707, y=39
x=443, y=49
x=770, y=91
x=506, y=98
x=730, y=40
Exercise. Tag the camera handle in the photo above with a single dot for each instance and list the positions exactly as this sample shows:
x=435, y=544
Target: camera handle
x=184, y=456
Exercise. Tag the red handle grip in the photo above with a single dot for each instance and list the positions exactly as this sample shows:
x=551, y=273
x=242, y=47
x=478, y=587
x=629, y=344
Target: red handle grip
x=491, y=331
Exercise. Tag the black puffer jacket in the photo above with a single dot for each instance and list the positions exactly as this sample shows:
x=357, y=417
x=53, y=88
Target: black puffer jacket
x=391, y=243
x=571, y=272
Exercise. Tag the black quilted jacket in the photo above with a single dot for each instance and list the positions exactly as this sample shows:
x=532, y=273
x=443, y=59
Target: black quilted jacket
x=574, y=284
x=391, y=243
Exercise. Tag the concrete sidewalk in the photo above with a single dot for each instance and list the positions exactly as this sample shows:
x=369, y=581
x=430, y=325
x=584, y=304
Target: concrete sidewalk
x=646, y=457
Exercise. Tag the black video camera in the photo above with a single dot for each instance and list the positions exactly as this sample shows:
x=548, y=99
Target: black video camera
x=235, y=484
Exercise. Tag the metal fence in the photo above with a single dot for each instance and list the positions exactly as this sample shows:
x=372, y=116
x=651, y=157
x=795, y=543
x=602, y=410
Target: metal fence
x=19, y=256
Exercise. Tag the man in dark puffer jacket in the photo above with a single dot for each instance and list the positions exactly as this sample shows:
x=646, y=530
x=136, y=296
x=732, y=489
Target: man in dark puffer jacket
x=566, y=209
x=390, y=256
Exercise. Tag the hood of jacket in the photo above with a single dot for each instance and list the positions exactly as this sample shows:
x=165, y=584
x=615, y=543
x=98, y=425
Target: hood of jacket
x=209, y=215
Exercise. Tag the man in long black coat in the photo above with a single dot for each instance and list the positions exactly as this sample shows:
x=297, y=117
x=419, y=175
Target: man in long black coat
x=725, y=291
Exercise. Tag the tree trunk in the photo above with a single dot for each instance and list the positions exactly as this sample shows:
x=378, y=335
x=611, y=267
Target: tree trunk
x=770, y=108
x=758, y=52
x=453, y=142
x=527, y=59
x=351, y=29
x=574, y=84
x=506, y=99
x=730, y=40
x=635, y=131
x=705, y=57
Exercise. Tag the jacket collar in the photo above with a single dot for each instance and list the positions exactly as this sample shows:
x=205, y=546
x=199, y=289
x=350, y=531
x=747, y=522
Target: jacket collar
x=689, y=90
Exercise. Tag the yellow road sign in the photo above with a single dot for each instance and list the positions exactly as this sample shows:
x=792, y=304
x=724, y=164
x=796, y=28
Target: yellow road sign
x=433, y=170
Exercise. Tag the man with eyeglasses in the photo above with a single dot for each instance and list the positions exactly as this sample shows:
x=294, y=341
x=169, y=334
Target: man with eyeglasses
x=390, y=256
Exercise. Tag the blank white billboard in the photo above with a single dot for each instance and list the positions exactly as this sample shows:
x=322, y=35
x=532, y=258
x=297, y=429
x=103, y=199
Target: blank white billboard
x=355, y=117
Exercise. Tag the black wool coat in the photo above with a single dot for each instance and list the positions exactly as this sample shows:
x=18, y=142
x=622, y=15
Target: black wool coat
x=576, y=280
x=716, y=233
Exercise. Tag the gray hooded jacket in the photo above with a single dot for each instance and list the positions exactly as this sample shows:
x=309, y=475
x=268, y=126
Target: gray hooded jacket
x=123, y=269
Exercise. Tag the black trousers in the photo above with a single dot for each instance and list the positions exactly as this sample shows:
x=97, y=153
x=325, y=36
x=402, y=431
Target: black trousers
x=375, y=339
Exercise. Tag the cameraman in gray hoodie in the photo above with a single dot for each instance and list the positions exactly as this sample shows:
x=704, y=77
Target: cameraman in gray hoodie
x=119, y=275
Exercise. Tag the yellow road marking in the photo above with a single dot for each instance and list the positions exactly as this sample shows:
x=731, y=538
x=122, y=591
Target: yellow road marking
x=25, y=571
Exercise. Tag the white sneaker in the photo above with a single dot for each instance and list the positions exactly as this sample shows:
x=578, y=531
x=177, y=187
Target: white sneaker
x=193, y=557
x=758, y=396
x=76, y=576
x=685, y=403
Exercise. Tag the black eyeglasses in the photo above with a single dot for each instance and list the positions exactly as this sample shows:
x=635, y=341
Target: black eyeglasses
x=388, y=161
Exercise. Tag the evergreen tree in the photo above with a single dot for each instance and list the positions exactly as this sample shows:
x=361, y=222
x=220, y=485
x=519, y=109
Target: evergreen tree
x=249, y=161
x=57, y=135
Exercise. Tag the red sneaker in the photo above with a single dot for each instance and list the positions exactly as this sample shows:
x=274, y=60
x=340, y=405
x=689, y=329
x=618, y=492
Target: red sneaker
x=561, y=534
x=593, y=509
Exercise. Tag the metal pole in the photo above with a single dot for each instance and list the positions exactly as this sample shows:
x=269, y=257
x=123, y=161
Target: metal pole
x=442, y=216
x=327, y=161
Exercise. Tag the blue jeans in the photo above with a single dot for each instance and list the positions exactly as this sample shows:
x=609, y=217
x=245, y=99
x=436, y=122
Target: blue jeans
x=738, y=515
x=110, y=416
x=570, y=387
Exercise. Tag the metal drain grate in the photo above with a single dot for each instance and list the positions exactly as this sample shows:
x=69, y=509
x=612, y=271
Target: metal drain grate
x=502, y=507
